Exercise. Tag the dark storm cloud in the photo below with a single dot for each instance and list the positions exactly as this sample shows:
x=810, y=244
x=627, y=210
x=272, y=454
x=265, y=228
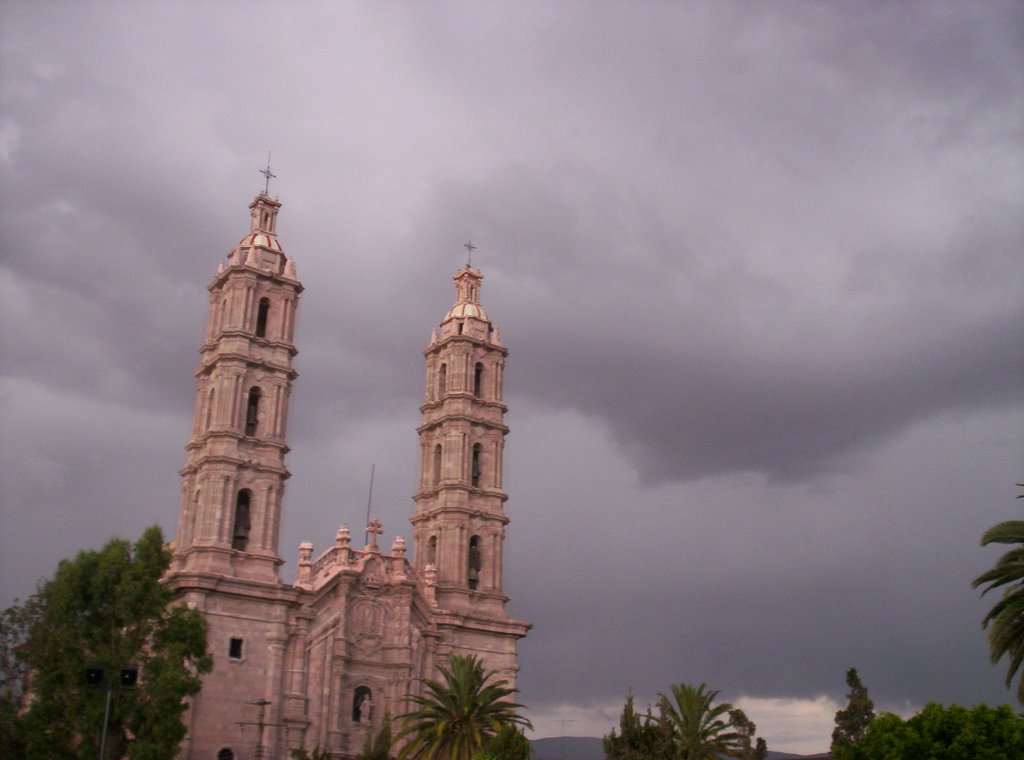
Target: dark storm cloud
x=758, y=267
x=705, y=363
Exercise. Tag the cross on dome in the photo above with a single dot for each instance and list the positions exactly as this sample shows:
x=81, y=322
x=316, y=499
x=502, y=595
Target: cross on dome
x=268, y=175
x=374, y=529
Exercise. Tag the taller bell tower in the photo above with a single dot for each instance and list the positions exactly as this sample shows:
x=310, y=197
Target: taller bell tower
x=459, y=521
x=233, y=481
x=226, y=559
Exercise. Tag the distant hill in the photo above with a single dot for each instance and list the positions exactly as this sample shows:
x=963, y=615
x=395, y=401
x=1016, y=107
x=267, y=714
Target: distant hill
x=590, y=748
x=568, y=748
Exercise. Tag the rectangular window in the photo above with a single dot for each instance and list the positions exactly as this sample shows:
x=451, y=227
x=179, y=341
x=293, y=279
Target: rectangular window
x=235, y=649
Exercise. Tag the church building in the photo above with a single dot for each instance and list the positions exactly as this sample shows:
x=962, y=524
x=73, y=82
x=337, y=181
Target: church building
x=323, y=660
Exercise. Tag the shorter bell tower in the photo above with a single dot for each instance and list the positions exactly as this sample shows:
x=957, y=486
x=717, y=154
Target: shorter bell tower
x=459, y=521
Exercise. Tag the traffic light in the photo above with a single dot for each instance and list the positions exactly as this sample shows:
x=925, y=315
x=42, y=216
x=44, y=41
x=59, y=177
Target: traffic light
x=129, y=676
x=94, y=675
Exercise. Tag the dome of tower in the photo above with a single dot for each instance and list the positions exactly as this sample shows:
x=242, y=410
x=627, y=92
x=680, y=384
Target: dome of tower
x=260, y=239
x=465, y=309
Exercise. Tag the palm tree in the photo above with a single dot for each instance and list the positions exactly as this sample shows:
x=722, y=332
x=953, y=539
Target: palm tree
x=702, y=728
x=1006, y=634
x=458, y=714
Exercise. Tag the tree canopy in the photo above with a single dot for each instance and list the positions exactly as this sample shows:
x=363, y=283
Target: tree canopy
x=689, y=726
x=941, y=733
x=702, y=728
x=749, y=745
x=853, y=720
x=1005, y=621
x=508, y=744
x=378, y=745
x=640, y=737
x=459, y=714
x=107, y=611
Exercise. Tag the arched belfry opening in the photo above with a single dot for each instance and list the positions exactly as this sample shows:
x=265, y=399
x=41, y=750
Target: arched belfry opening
x=262, y=312
x=476, y=465
x=478, y=380
x=252, y=411
x=474, y=562
x=437, y=464
x=210, y=399
x=442, y=379
x=242, y=523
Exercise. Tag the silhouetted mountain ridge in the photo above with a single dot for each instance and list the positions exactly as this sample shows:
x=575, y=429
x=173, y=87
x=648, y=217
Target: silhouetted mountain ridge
x=591, y=748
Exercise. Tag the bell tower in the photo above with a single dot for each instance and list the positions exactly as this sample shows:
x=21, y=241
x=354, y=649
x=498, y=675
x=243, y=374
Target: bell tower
x=459, y=521
x=233, y=481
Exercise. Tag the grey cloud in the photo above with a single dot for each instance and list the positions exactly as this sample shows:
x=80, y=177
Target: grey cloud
x=758, y=267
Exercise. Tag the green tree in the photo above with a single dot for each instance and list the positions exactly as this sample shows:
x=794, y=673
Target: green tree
x=941, y=733
x=639, y=737
x=1005, y=621
x=749, y=745
x=458, y=714
x=15, y=623
x=105, y=609
x=378, y=746
x=508, y=744
x=701, y=728
x=854, y=719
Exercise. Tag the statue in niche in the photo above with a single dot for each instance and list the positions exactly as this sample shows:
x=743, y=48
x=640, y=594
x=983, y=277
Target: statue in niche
x=362, y=705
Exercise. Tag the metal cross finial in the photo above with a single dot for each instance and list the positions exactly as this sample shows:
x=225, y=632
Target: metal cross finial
x=268, y=174
x=373, y=529
x=469, y=250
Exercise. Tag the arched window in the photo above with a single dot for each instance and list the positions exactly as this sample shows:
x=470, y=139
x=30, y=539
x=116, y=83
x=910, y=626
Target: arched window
x=442, y=380
x=252, y=411
x=209, y=408
x=261, y=318
x=478, y=380
x=474, y=562
x=432, y=551
x=226, y=754
x=475, y=471
x=437, y=464
x=362, y=705
x=243, y=522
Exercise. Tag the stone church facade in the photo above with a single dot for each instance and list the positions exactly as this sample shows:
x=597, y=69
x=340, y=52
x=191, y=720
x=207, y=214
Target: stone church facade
x=322, y=661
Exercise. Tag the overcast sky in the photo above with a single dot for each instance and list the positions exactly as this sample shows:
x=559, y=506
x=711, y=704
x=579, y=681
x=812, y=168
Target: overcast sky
x=760, y=267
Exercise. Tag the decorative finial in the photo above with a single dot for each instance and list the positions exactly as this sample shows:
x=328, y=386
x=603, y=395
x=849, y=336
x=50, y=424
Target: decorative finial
x=374, y=529
x=469, y=251
x=268, y=175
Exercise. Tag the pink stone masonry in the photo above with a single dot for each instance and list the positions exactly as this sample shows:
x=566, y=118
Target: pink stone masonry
x=340, y=650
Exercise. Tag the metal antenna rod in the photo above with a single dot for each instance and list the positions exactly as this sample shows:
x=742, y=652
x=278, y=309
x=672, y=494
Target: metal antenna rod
x=369, y=502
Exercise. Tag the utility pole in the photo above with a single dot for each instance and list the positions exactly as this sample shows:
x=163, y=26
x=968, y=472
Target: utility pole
x=261, y=726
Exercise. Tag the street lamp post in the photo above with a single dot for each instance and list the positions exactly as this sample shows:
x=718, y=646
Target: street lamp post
x=94, y=676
